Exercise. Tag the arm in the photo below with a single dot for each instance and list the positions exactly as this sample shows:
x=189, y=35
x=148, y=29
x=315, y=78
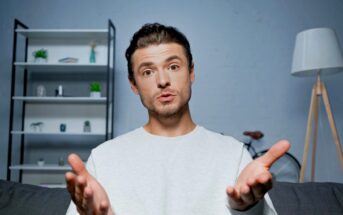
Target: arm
x=255, y=179
x=86, y=192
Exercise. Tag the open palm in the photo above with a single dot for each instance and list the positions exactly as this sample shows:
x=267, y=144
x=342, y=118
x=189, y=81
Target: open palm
x=255, y=179
x=86, y=192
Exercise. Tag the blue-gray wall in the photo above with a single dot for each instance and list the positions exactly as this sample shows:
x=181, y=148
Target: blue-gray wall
x=242, y=52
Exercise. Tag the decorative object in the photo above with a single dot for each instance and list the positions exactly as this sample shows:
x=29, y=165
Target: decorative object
x=40, y=162
x=41, y=56
x=63, y=127
x=92, y=58
x=317, y=52
x=36, y=126
x=40, y=91
x=87, y=126
x=68, y=60
x=95, y=89
x=59, y=91
x=61, y=161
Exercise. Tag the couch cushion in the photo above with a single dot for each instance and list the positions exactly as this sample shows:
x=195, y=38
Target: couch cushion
x=307, y=198
x=16, y=198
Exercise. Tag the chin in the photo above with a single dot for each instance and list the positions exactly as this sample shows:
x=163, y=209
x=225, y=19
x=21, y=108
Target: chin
x=168, y=111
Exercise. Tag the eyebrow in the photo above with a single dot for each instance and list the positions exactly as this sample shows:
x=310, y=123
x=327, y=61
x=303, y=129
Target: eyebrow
x=147, y=64
x=174, y=57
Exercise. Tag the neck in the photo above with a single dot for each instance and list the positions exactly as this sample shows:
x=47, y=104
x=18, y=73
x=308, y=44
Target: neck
x=170, y=126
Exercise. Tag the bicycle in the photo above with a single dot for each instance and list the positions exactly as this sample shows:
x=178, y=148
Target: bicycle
x=286, y=169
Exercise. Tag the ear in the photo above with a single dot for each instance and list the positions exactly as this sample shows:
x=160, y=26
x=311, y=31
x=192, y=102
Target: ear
x=191, y=73
x=133, y=86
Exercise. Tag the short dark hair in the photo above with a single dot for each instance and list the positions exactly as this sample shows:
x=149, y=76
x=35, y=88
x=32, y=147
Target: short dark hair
x=154, y=34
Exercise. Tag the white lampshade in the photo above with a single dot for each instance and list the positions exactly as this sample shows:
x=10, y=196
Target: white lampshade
x=316, y=50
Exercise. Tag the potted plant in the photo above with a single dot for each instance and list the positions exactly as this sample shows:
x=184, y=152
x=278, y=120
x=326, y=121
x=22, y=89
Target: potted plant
x=95, y=89
x=87, y=126
x=41, y=56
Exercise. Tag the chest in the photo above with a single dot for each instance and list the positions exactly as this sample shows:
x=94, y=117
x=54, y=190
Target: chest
x=170, y=180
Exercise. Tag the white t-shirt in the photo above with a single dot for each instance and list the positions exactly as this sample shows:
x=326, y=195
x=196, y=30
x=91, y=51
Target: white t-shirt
x=145, y=174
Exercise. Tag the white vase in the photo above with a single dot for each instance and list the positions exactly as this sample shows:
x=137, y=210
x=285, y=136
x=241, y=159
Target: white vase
x=95, y=94
x=40, y=60
x=40, y=162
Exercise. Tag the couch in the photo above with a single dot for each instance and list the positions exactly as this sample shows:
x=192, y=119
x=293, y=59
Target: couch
x=288, y=198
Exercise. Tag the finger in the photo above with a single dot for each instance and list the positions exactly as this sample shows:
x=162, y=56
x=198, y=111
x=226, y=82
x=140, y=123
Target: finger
x=79, y=190
x=235, y=200
x=104, y=207
x=70, y=179
x=232, y=192
x=266, y=180
x=247, y=194
x=88, y=200
x=89, y=204
x=77, y=164
x=274, y=153
x=261, y=185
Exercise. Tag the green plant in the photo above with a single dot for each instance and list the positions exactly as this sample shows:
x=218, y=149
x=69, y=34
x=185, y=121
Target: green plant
x=41, y=53
x=87, y=123
x=95, y=87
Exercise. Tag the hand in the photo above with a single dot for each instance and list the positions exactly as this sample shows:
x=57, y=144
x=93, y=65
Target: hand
x=86, y=192
x=255, y=179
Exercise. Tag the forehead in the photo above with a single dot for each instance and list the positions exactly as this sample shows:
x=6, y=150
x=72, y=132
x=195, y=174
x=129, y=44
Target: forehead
x=157, y=53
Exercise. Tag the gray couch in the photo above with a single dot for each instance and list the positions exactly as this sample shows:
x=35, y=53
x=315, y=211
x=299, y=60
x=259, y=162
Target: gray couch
x=288, y=198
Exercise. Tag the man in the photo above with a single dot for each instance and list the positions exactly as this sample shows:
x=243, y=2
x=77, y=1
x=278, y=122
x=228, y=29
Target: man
x=170, y=165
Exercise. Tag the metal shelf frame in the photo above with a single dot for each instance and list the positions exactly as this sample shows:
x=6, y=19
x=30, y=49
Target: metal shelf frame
x=21, y=97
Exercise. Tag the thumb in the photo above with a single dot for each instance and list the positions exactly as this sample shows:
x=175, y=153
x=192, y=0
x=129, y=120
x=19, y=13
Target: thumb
x=274, y=153
x=77, y=165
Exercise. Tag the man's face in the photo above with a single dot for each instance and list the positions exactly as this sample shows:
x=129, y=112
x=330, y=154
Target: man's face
x=162, y=78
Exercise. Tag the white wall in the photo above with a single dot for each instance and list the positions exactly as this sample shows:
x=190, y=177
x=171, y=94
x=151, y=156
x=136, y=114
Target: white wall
x=242, y=52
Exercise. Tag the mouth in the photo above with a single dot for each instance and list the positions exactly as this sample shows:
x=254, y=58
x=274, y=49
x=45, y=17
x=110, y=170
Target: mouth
x=166, y=97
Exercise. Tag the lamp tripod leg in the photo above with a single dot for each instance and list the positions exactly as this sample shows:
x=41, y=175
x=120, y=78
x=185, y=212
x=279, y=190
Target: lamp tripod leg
x=315, y=134
x=308, y=135
x=332, y=125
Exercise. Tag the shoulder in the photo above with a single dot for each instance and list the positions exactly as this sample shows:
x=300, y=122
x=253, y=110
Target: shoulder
x=226, y=149
x=217, y=136
x=220, y=138
x=119, y=141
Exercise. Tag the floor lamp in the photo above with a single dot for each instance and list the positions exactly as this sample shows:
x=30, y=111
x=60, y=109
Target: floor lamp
x=317, y=53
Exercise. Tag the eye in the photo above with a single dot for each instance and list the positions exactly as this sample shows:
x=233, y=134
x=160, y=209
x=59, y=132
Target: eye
x=147, y=72
x=174, y=67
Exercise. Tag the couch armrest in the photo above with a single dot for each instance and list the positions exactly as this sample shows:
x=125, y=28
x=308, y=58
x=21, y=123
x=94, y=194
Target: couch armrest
x=307, y=198
x=16, y=198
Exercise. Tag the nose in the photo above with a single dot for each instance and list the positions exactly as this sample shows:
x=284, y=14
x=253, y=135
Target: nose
x=162, y=79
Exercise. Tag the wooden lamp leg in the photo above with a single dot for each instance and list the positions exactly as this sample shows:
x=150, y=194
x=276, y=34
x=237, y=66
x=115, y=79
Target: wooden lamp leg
x=319, y=90
x=332, y=124
x=308, y=134
x=315, y=132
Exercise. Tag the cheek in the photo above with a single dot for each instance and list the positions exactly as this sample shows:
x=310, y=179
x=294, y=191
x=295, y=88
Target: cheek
x=145, y=89
x=183, y=82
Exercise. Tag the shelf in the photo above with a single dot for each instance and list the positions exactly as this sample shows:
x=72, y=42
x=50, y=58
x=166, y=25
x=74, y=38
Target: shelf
x=36, y=122
x=75, y=100
x=57, y=133
x=45, y=167
x=66, y=67
x=64, y=33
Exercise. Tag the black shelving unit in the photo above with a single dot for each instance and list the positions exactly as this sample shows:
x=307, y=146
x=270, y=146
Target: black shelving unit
x=23, y=101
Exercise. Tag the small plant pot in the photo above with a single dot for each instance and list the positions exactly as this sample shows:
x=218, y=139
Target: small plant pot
x=40, y=162
x=95, y=94
x=41, y=60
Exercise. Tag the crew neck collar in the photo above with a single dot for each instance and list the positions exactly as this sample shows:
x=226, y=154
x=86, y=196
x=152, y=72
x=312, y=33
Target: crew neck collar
x=146, y=133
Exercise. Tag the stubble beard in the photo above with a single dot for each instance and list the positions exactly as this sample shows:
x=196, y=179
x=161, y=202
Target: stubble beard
x=167, y=111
